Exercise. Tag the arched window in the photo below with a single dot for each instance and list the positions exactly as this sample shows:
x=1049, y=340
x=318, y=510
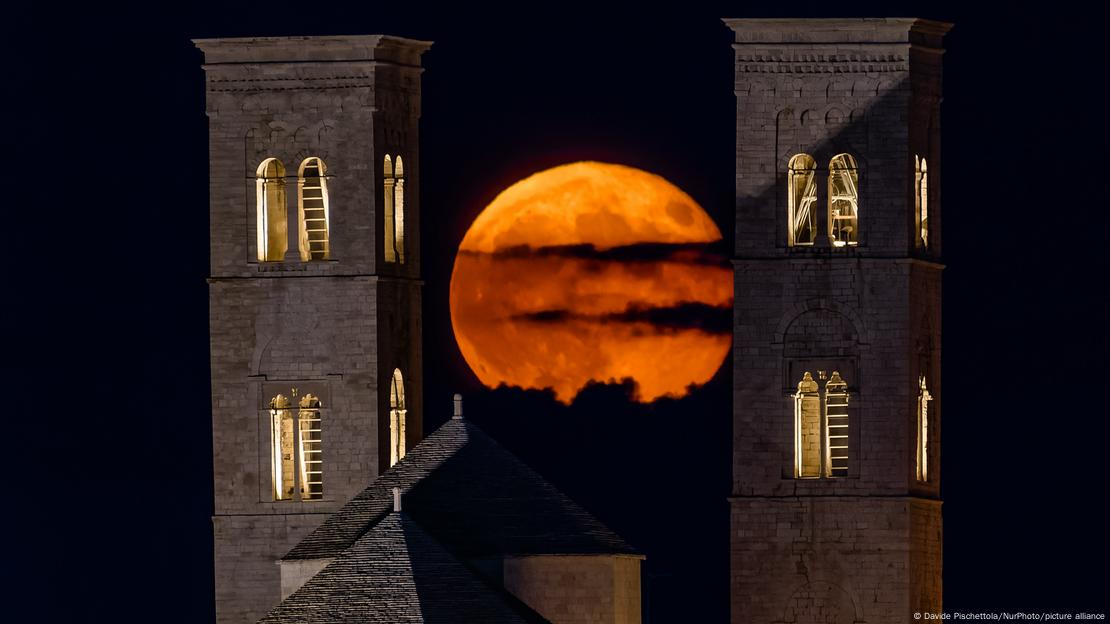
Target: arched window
x=399, y=209
x=923, y=398
x=836, y=427
x=296, y=449
x=921, y=198
x=843, y=200
x=281, y=444
x=801, y=196
x=821, y=435
x=272, y=223
x=397, y=414
x=387, y=211
x=312, y=190
x=807, y=429
x=310, y=455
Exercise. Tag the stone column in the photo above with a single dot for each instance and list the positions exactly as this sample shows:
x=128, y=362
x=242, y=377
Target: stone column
x=292, y=220
x=821, y=206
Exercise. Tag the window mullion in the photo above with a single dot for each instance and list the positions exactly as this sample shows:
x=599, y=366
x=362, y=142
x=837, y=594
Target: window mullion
x=298, y=456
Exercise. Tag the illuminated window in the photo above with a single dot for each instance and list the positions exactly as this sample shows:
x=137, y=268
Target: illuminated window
x=394, y=210
x=807, y=429
x=312, y=191
x=801, y=197
x=399, y=209
x=836, y=427
x=821, y=435
x=923, y=398
x=387, y=211
x=272, y=223
x=397, y=414
x=296, y=451
x=281, y=442
x=921, y=199
x=843, y=200
x=310, y=451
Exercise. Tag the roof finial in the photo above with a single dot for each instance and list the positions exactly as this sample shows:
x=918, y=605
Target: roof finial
x=458, y=407
x=396, y=500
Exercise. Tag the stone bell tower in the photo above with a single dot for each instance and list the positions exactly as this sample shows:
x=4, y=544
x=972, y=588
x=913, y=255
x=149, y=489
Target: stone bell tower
x=314, y=290
x=837, y=389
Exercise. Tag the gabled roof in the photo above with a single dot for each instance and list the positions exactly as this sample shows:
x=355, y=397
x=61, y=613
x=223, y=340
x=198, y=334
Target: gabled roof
x=397, y=574
x=475, y=497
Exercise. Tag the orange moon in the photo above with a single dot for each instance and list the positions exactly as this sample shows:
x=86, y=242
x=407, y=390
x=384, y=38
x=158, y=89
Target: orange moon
x=592, y=272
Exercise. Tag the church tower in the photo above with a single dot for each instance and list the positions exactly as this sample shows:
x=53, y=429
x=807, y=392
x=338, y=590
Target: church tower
x=837, y=389
x=314, y=291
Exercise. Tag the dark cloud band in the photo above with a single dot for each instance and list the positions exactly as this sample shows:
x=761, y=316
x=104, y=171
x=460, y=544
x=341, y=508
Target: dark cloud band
x=687, y=315
x=709, y=254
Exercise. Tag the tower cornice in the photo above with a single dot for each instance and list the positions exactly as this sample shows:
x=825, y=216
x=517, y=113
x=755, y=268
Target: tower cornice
x=837, y=31
x=833, y=46
x=339, y=48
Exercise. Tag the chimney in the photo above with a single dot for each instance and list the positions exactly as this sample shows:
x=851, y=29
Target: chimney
x=396, y=500
x=458, y=407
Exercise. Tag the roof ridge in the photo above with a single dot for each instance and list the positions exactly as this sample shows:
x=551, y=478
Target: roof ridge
x=425, y=583
x=476, y=496
x=386, y=481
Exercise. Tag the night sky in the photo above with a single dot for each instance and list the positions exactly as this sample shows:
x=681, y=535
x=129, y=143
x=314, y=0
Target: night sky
x=106, y=322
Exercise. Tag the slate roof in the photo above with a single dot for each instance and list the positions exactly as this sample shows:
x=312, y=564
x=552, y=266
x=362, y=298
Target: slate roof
x=397, y=574
x=475, y=498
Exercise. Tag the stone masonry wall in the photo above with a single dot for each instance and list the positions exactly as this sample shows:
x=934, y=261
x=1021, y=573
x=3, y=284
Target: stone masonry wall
x=865, y=547
x=296, y=572
x=847, y=559
x=248, y=579
x=926, y=556
x=335, y=328
x=577, y=589
x=272, y=334
x=871, y=297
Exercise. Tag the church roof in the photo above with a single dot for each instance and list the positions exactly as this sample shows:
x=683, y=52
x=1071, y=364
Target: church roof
x=475, y=497
x=397, y=574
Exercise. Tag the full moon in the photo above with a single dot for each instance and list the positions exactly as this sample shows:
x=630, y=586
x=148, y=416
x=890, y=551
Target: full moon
x=592, y=272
